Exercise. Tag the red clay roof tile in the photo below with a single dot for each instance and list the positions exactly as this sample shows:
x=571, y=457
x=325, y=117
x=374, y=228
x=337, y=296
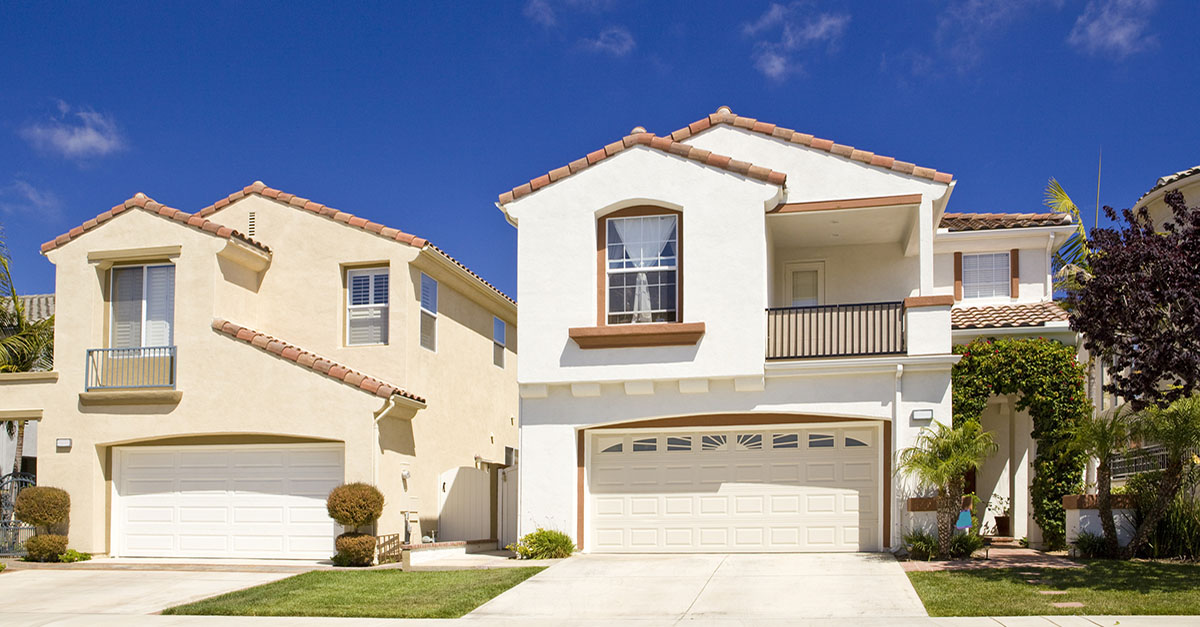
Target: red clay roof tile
x=985, y=221
x=143, y=202
x=1000, y=316
x=313, y=362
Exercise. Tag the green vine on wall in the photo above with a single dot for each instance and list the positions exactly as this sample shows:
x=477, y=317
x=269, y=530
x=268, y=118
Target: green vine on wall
x=1049, y=382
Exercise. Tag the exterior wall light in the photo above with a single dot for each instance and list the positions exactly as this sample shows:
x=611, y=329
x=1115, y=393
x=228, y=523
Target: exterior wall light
x=62, y=442
x=922, y=414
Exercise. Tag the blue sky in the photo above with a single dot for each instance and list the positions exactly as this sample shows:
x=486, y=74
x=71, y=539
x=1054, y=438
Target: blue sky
x=418, y=115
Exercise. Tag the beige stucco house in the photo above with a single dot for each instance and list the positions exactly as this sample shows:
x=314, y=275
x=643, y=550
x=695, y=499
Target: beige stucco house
x=1187, y=182
x=216, y=373
x=732, y=329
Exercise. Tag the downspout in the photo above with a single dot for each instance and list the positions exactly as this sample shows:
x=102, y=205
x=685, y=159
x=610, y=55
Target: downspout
x=1050, y=267
x=895, y=518
x=388, y=405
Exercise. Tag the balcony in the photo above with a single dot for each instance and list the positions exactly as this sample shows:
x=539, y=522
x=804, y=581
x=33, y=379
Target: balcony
x=130, y=368
x=827, y=331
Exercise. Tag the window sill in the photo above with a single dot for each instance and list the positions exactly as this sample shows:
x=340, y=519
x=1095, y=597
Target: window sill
x=638, y=335
x=164, y=396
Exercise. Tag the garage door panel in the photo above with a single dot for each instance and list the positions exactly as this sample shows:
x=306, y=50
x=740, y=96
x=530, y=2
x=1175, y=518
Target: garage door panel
x=731, y=491
x=239, y=501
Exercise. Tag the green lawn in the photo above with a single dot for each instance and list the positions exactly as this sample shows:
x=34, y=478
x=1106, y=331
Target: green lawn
x=1104, y=587
x=368, y=593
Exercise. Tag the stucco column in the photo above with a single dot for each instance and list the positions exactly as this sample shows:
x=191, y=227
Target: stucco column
x=926, y=231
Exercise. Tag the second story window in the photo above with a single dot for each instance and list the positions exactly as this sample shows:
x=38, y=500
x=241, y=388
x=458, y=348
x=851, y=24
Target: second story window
x=367, y=307
x=429, y=303
x=143, y=306
x=642, y=267
x=499, y=331
x=986, y=275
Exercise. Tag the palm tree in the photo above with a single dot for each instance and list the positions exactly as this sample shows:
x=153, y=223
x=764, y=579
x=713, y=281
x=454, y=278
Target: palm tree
x=940, y=459
x=1071, y=265
x=1177, y=430
x=25, y=345
x=1103, y=436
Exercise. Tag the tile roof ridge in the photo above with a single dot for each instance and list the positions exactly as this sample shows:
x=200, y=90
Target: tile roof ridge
x=1007, y=315
x=988, y=221
x=349, y=219
x=312, y=361
x=144, y=202
x=724, y=115
x=649, y=140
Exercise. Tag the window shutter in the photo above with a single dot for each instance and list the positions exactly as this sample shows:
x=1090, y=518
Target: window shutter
x=428, y=330
x=367, y=325
x=160, y=305
x=126, y=307
x=958, y=276
x=1014, y=262
x=429, y=288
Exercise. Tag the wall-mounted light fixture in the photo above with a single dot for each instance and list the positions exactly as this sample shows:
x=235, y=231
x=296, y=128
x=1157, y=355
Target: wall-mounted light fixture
x=62, y=443
x=922, y=414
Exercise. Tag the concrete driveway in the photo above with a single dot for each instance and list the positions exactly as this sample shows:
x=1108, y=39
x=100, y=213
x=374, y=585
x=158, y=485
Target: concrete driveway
x=67, y=592
x=747, y=587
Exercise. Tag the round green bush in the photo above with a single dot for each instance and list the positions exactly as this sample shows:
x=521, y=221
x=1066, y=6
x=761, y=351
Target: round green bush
x=43, y=506
x=354, y=549
x=543, y=544
x=355, y=504
x=45, y=548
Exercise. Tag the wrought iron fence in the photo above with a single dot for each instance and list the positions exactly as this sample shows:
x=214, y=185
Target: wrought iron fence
x=125, y=368
x=13, y=533
x=835, y=330
x=1139, y=460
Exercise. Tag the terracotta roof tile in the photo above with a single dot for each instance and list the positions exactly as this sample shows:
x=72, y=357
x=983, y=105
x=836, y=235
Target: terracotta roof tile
x=985, y=221
x=725, y=116
x=1000, y=316
x=145, y=203
x=313, y=362
x=346, y=218
x=1164, y=181
x=650, y=140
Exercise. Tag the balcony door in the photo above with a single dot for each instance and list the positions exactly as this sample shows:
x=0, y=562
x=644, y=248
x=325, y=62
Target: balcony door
x=804, y=284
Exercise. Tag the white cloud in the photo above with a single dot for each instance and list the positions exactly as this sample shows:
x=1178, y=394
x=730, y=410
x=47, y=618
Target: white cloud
x=75, y=133
x=542, y=12
x=614, y=40
x=784, y=30
x=965, y=27
x=1115, y=27
x=546, y=12
x=22, y=198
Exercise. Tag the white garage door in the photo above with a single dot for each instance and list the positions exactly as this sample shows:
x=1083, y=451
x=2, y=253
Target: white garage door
x=252, y=501
x=730, y=490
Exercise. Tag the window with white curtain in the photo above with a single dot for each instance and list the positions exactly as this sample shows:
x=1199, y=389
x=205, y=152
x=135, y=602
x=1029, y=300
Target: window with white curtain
x=986, y=275
x=429, y=304
x=367, y=306
x=642, y=269
x=143, y=306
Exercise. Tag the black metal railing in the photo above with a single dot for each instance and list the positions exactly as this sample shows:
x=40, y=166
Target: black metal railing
x=130, y=368
x=835, y=330
x=13, y=532
x=1139, y=460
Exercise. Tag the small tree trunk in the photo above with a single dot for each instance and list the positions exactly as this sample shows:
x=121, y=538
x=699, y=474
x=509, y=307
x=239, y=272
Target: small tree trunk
x=1104, y=504
x=19, y=452
x=1167, y=488
x=949, y=503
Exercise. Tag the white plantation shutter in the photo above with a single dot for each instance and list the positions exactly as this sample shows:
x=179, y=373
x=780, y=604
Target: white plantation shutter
x=367, y=314
x=160, y=305
x=127, y=307
x=985, y=275
x=429, y=293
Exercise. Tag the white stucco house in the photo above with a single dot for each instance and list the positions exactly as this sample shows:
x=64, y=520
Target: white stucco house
x=730, y=330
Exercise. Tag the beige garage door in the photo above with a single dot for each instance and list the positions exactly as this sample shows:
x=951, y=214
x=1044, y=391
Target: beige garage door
x=735, y=490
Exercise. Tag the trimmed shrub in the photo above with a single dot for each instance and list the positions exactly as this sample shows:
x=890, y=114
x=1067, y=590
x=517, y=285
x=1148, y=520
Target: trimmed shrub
x=1088, y=544
x=964, y=545
x=3, y=566
x=45, y=548
x=543, y=544
x=354, y=549
x=71, y=555
x=43, y=506
x=921, y=545
x=355, y=505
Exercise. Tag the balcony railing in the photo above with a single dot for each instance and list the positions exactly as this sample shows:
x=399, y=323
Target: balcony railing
x=835, y=331
x=130, y=368
x=1138, y=461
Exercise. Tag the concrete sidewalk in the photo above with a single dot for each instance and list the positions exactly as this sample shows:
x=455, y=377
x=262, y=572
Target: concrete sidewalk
x=115, y=620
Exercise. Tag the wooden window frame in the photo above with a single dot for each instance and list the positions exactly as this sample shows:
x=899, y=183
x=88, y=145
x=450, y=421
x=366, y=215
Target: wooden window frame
x=602, y=260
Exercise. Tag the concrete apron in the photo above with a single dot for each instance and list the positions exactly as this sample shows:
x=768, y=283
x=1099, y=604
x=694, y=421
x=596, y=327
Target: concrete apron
x=749, y=587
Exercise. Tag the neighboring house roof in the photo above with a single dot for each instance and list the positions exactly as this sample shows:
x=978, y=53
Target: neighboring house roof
x=999, y=316
x=37, y=307
x=642, y=138
x=311, y=361
x=985, y=221
x=725, y=116
x=304, y=204
x=1164, y=181
x=141, y=201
